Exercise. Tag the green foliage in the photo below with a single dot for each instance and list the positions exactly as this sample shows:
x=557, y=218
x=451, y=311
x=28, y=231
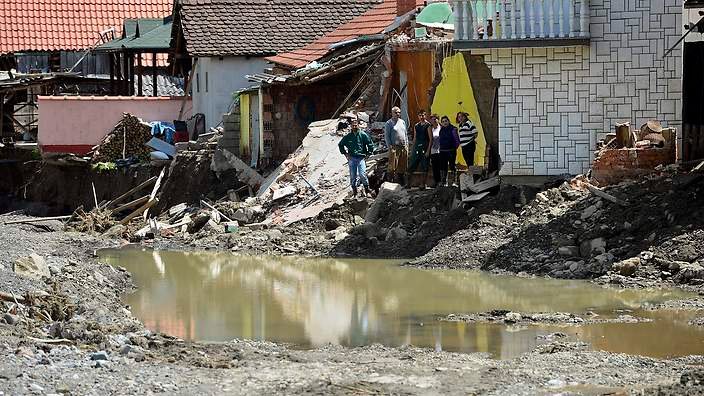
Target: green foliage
x=104, y=166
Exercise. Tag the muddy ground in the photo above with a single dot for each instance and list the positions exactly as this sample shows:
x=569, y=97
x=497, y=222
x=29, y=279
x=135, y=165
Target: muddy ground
x=104, y=350
x=72, y=335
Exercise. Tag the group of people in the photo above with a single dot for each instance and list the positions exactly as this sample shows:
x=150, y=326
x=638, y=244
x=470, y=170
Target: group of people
x=434, y=144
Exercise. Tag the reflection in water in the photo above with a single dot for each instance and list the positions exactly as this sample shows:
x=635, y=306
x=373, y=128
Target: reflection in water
x=312, y=302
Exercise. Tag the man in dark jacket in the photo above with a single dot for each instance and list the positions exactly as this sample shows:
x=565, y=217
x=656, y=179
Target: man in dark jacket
x=356, y=146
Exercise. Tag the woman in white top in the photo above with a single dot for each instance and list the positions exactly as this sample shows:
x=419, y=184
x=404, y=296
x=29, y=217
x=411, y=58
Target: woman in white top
x=434, y=148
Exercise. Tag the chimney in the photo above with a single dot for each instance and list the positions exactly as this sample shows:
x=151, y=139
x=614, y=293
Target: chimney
x=404, y=6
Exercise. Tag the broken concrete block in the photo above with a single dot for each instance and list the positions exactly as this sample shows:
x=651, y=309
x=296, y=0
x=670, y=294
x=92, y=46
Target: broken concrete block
x=387, y=192
x=597, y=245
x=243, y=215
x=367, y=230
x=396, y=234
x=568, y=251
x=688, y=272
x=33, y=266
x=588, y=212
x=466, y=180
x=283, y=193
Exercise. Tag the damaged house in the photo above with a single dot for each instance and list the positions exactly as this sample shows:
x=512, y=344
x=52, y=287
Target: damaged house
x=219, y=42
x=45, y=50
x=319, y=81
x=567, y=71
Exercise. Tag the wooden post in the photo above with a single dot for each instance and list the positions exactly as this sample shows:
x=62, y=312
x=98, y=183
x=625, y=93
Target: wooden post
x=154, y=86
x=125, y=75
x=111, y=58
x=139, y=74
x=623, y=135
x=188, y=88
x=132, y=73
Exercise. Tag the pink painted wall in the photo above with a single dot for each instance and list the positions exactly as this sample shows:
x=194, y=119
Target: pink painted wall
x=77, y=123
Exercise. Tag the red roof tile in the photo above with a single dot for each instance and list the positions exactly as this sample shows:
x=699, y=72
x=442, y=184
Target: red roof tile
x=53, y=25
x=371, y=22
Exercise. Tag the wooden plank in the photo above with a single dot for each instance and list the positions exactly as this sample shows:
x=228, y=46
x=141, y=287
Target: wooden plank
x=37, y=220
x=152, y=196
x=95, y=197
x=484, y=185
x=139, y=211
x=11, y=297
x=132, y=204
x=475, y=197
x=215, y=210
x=600, y=193
x=132, y=191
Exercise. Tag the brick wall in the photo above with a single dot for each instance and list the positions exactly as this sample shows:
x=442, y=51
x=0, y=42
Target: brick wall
x=612, y=166
x=555, y=103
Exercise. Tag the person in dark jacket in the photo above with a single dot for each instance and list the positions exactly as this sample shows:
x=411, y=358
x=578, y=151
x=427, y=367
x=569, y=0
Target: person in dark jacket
x=356, y=146
x=420, y=154
x=449, y=142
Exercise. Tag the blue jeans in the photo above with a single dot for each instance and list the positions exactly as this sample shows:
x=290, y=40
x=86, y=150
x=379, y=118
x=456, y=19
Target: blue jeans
x=358, y=168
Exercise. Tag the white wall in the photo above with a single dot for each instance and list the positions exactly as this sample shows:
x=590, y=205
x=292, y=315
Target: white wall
x=216, y=81
x=555, y=103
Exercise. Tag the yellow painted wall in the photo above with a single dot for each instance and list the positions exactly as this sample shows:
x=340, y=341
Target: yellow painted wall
x=455, y=94
x=244, y=125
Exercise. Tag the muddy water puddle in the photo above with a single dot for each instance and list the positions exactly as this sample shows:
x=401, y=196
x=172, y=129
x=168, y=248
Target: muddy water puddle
x=312, y=302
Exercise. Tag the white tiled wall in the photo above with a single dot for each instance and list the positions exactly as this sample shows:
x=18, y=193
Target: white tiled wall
x=555, y=103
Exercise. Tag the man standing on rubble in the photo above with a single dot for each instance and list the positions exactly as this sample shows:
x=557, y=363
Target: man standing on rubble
x=356, y=146
x=396, y=138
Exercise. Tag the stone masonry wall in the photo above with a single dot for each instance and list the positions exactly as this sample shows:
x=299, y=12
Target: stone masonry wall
x=555, y=103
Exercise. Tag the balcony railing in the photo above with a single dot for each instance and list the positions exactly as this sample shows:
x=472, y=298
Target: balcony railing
x=495, y=23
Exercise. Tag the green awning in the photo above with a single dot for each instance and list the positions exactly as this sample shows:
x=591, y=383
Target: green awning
x=145, y=34
x=435, y=13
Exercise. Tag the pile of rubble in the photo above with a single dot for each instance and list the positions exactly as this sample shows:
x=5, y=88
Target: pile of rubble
x=648, y=229
x=630, y=153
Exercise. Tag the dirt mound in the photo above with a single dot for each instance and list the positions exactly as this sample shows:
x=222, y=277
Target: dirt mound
x=569, y=233
x=407, y=226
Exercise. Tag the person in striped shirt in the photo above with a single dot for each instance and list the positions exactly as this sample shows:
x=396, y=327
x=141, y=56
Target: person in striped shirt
x=468, y=137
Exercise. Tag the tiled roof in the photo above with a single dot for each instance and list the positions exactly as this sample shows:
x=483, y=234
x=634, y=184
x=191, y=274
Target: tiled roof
x=374, y=21
x=53, y=25
x=262, y=27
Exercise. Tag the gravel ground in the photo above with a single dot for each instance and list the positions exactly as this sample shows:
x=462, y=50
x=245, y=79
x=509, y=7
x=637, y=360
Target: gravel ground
x=74, y=336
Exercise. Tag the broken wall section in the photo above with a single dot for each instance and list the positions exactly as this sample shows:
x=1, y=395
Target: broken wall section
x=555, y=103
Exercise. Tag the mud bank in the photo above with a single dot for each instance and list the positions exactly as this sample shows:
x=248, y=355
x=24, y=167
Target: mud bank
x=102, y=347
x=654, y=238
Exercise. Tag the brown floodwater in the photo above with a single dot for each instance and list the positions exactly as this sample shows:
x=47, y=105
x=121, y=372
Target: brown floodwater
x=310, y=302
